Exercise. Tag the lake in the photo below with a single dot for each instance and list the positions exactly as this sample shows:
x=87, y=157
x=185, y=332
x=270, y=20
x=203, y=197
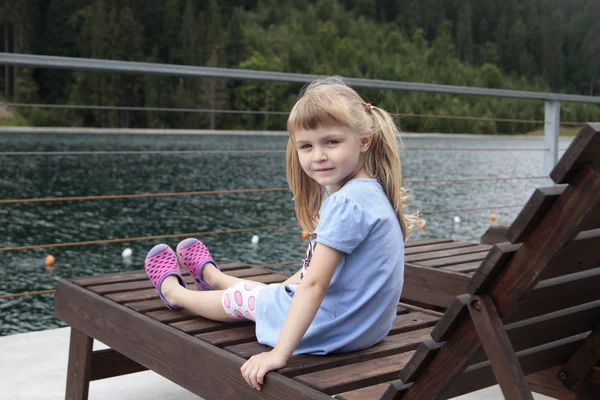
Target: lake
x=219, y=168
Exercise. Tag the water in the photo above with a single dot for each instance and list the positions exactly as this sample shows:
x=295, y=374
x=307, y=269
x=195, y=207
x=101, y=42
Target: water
x=87, y=175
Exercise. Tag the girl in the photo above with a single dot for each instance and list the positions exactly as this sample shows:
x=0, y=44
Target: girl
x=345, y=296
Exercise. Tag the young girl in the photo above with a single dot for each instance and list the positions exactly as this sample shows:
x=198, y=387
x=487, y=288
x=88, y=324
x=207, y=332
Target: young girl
x=345, y=296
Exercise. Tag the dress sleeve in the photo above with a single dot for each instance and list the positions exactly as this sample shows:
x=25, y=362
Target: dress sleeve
x=343, y=224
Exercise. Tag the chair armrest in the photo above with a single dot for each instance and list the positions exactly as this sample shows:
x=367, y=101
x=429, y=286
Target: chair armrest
x=495, y=234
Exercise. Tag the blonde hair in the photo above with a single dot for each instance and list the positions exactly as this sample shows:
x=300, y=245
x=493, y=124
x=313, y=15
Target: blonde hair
x=329, y=102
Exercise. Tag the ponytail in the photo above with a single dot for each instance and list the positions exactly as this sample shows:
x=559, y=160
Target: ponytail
x=383, y=163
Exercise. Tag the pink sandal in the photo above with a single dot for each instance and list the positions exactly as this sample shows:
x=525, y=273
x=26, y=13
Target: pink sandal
x=160, y=263
x=194, y=255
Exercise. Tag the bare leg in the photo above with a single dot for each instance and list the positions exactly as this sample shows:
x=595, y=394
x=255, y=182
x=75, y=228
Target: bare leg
x=219, y=280
x=206, y=304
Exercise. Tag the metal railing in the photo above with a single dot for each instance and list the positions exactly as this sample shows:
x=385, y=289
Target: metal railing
x=551, y=109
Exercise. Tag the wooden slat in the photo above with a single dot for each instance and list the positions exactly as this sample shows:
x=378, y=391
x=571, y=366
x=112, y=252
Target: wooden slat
x=167, y=316
x=107, y=363
x=226, y=267
x=436, y=287
x=451, y=319
x=131, y=286
x=270, y=278
x=549, y=328
x=491, y=267
x=592, y=222
x=464, y=268
x=581, y=254
x=248, y=273
x=565, y=291
x=146, y=306
x=201, y=325
x=230, y=336
x=135, y=295
x=412, y=321
x=354, y=376
x=110, y=278
x=445, y=253
x=420, y=360
x=495, y=234
x=436, y=247
x=247, y=350
x=584, y=149
x=424, y=242
x=534, y=210
x=411, y=307
x=446, y=261
x=367, y=393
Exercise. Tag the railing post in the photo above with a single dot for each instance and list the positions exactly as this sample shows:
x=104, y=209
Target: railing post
x=551, y=132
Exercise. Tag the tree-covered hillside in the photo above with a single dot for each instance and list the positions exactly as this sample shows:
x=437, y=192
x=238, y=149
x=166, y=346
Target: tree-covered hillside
x=541, y=45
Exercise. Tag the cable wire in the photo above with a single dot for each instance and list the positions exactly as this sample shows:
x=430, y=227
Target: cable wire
x=136, y=152
x=426, y=212
x=223, y=111
x=133, y=108
x=132, y=196
x=143, y=152
x=11, y=295
x=233, y=191
x=135, y=239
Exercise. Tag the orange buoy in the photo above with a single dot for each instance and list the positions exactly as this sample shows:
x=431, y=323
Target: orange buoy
x=305, y=235
x=50, y=260
x=492, y=217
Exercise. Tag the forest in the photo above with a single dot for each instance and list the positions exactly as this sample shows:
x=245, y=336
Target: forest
x=537, y=45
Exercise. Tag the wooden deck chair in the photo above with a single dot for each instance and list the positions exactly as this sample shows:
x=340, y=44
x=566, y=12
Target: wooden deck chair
x=533, y=303
x=123, y=311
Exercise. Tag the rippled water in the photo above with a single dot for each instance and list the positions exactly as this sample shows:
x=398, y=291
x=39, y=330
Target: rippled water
x=34, y=176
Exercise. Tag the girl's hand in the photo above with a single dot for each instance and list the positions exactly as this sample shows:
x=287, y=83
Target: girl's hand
x=255, y=369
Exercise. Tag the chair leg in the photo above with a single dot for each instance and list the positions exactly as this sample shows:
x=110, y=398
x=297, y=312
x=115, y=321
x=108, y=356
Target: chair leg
x=498, y=349
x=80, y=366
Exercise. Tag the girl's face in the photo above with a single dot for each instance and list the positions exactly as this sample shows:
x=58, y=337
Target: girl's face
x=332, y=155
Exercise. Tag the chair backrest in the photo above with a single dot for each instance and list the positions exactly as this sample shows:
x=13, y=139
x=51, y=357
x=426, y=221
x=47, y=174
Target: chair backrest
x=534, y=299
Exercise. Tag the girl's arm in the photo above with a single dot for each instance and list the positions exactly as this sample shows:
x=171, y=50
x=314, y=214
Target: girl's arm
x=294, y=278
x=306, y=302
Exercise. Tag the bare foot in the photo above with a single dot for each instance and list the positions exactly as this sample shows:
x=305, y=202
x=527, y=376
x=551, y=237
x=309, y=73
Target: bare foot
x=169, y=287
x=210, y=274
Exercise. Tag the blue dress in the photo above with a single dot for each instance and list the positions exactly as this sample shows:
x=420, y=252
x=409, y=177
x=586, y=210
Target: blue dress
x=360, y=304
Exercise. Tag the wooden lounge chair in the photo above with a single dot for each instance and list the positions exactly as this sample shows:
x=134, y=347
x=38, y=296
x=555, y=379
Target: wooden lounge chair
x=534, y=299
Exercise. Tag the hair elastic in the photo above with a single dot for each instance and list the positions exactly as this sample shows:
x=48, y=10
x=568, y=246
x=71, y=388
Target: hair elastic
x=368, y=107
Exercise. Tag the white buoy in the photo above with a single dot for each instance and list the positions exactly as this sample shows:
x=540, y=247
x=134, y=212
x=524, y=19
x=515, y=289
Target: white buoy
x=127, y=253
x=254, y=239
x=457, y=219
